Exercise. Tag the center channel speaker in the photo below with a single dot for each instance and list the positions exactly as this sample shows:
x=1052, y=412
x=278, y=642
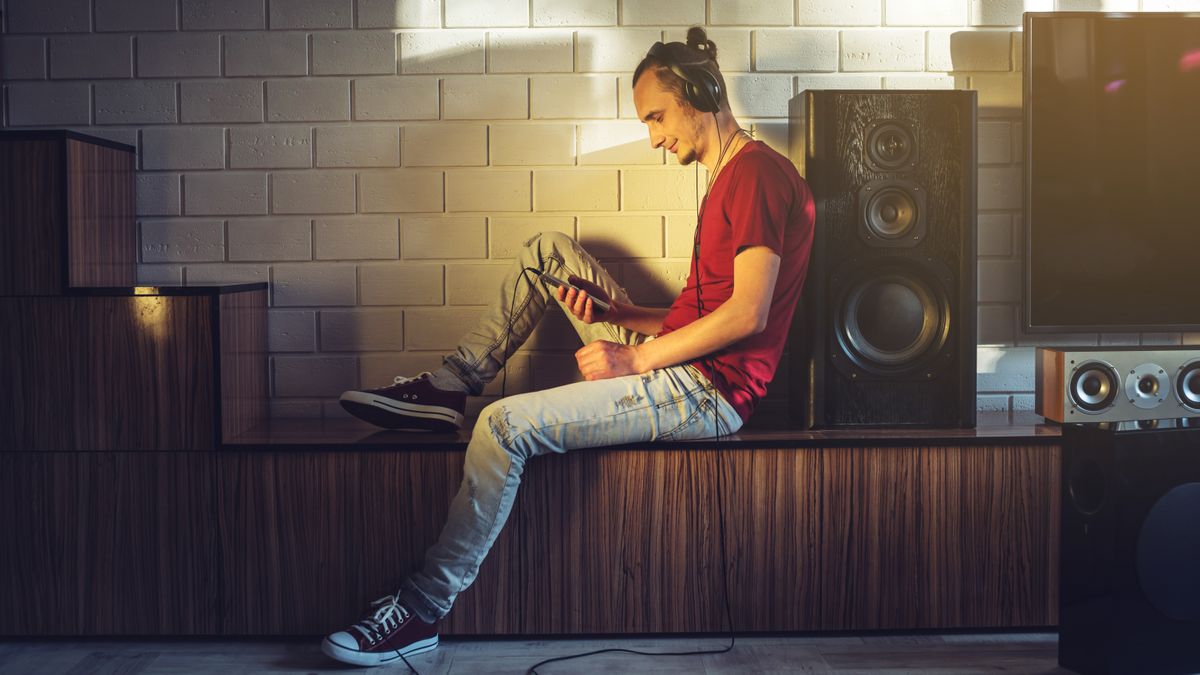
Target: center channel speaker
x=1129, y=579
x=885, y=334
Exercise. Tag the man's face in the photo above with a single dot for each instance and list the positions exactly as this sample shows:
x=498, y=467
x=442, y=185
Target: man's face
x=673, y=125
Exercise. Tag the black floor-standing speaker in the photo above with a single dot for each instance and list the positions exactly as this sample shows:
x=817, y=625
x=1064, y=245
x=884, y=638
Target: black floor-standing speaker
x=1129, y=582
x=885, y=333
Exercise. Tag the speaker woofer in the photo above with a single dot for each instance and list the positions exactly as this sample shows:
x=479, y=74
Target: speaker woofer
x=1094, y=387
x=890, y=146
x=892, y=322
x=1187, y=385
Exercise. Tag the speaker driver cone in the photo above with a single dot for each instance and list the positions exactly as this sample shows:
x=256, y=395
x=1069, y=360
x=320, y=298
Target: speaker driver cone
x=1094, y=386
x=890, y=145
x=1187, y=385
x=892, y=322
x=891, y=213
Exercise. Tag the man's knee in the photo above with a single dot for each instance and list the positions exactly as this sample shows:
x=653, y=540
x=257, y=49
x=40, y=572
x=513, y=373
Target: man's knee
x=551, y=241
x=498, y=423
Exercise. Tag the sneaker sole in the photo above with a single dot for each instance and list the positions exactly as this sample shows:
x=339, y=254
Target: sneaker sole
x=358, y=658
x=391, y=414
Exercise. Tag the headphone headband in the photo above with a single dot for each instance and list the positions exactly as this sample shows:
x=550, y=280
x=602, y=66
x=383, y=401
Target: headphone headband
x=701, y=86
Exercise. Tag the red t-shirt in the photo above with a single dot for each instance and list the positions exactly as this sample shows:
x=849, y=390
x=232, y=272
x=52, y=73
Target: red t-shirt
x=758, y=199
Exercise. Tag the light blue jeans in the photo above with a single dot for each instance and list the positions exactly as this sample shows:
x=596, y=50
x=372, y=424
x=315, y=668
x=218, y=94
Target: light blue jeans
x=675, y=403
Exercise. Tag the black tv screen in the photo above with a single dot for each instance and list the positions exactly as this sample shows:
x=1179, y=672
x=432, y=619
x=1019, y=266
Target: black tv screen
x=1112, y=172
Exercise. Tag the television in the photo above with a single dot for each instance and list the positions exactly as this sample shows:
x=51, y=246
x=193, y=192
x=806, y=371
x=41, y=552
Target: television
x=1112, y=172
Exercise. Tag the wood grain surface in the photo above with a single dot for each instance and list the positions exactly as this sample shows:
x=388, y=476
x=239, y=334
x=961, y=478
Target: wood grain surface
x=102, y=247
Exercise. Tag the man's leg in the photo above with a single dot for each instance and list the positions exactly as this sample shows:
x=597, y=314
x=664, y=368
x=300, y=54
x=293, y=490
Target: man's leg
x=671, y=403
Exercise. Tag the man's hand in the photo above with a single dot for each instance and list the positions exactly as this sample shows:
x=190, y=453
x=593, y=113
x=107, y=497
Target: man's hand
x=580, y=304
x=602, y=359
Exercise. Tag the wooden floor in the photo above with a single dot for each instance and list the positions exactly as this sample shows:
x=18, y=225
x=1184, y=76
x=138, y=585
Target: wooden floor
x=908, y=654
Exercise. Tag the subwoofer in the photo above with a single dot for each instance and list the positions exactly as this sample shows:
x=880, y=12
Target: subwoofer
x=885, y=334
x=1129, y=584
x=1117, y=384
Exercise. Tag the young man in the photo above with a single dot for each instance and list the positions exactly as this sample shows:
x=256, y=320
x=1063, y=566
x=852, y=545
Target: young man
x=727, y=328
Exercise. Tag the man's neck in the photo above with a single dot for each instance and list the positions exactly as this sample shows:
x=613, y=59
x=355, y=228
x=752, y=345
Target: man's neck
x=724, y=138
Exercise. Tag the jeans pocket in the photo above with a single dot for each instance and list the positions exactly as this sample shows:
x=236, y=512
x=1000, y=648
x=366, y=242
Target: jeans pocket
x=691, y=425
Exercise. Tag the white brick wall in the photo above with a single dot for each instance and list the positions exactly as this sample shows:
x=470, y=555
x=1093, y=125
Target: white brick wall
x=381, y=162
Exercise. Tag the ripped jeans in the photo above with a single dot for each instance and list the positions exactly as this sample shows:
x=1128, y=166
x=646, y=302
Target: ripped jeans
x=675, y=403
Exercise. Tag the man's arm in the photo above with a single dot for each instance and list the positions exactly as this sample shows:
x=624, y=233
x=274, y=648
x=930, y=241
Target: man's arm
x=755, y=270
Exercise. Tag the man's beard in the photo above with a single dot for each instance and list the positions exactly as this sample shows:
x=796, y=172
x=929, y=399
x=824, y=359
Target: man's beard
x=687, y=158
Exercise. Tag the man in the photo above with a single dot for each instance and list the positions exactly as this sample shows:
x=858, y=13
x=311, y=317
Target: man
x=727, y=328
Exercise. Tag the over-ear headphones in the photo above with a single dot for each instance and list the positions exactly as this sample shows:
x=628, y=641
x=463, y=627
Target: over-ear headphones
x=701, y=86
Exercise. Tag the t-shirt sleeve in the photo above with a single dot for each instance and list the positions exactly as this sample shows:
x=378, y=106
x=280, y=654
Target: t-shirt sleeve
x=758, y=204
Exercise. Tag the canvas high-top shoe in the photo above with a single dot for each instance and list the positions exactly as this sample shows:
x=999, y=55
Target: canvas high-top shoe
x=412, y=403
x=387, y=632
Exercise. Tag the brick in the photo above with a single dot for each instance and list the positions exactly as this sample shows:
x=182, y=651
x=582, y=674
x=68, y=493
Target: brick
x=995, y=234
x=925, y=13
x=308, y=100
x=759, y=95
x=612, y=49
x=440, y=328
x=270, y=239
x=91, y=58
x=135, y=15
x=733, y=46
x=523, y=51
x=655, y=284
x=1096, y=5
x=273, y=146
x=159, y=275
x=225, y=193
x=1159, y=339
x=1023, y=403
x=221, y=101
x=958, y=50
x=400, y=191
x=134, y=102
x=312, y=192
x=991, y=403
x=508, y=235
x=179, y=55
x=403, y=284
x=354, y=53
x=931, y=81
x=183, y=148
x=999, y=187
x=444, y=51
x=49, y=16
x=1002, y=12
x=531, y=144
x=575, y=190
x=623, y=142
x=774, y=134
x=1018, y=50
x=223, y=15
x=310, y=14
x=574, y=12
x=344, y=330
x=662, y=12
x=445, y=145
x=442, y=237
x=266, y=54
x=672, y=189
x=353, y=146
x=681, y=235
x=999, y=92
x=291, y=330
x=839, y=13
x=874, y=50
x=182, y=241
x=996, y=325
x=572, y=96
x=1170, y=5
x=22, y=58
x=396, y=98
x=359, y=238
x=399, y=13
x=313, y=376
x=760, y=13
x=126, y=136
x=209, y=274
x=491, y=97
x=487, y=190
x=48, y=103
x=486, y=13
x=476, y=283
x=796, y=50
x=995, y=142
x=314, y=284
x=1005, y=369
x=622, y=236
x=999, y=280
x=625, y=107
x=157, y=194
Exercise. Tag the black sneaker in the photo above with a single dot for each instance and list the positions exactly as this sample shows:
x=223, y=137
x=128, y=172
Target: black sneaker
x=412, y=404
x=388, y=632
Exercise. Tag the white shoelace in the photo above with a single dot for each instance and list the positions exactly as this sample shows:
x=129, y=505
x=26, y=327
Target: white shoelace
x=389, y=616
x=400, y=379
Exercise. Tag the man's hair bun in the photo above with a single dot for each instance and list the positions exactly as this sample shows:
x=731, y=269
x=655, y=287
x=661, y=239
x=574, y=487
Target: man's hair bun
x=698, y=40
